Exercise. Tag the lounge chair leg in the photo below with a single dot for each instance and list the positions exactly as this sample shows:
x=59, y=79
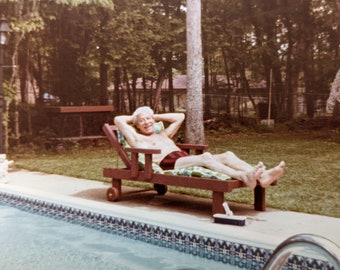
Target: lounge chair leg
x=161, y=189
x=260, y=198
x=113, y=193
x=217, y=202
x=117, y=183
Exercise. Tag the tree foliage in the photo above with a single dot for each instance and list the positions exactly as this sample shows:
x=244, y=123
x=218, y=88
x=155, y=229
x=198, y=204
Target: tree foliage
x=77, y=49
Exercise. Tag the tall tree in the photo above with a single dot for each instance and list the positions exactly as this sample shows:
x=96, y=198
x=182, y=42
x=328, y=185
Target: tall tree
x=194, y=123
x=333, y=100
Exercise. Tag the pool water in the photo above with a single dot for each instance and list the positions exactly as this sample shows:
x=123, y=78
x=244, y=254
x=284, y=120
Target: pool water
x=30, y=241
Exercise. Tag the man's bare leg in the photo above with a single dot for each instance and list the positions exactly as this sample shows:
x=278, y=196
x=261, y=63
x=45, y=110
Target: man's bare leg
x=269, y=176
x=229, y=159
x=249, y=176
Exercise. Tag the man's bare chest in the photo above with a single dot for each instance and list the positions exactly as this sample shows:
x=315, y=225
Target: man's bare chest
x=154, y=141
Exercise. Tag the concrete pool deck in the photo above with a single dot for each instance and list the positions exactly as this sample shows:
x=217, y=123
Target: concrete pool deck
x=264, y=229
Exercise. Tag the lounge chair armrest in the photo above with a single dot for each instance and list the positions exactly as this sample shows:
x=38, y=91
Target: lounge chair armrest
x=143, y=150
x=148, y=160
x=197, y=148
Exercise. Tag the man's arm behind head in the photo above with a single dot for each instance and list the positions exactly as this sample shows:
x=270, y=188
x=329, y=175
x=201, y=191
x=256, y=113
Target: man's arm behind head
x=175, y=120
x=124, y=124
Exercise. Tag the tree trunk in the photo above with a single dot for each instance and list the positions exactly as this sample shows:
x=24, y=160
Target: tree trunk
x=171, y=85
x=103, y=71
x=14, y=82
x=116, y=93
x=334, y=96
x=194, y=124
x=145, y=101
x=158, y=93
x=134, y=93
x=207, y=104
x=229, y=89
x=128, y=89
x=245, y=86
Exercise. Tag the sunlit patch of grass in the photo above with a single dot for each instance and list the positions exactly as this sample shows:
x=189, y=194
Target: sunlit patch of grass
x=310, y=183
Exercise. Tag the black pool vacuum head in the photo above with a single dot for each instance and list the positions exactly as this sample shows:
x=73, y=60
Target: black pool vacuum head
x=231, y=220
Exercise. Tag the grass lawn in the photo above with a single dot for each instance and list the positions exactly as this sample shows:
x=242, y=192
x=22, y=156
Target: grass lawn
x=311, y=183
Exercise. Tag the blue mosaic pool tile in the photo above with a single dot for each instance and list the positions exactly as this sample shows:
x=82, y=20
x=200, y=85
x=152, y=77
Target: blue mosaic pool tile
x=236, y=254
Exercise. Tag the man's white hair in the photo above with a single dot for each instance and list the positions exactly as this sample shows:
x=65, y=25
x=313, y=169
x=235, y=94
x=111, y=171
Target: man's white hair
x=144, y=109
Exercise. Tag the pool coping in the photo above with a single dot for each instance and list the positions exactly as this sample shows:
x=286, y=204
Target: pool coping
x=174, y=221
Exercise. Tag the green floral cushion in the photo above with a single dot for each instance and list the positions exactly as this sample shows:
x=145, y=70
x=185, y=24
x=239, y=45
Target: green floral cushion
x=197, y=171
x=194, y=171
x=159, y=127
x=155, y=167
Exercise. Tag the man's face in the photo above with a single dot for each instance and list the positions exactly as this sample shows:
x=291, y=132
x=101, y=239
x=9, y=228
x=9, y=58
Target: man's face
x=145, y=123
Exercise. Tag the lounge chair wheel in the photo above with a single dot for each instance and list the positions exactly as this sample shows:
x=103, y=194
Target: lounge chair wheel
x=112, y=194
x=161, y=189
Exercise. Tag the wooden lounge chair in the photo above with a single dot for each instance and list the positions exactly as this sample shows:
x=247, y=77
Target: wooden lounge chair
x=132, y=171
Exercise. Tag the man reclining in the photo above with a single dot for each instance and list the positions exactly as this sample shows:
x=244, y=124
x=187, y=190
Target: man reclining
x=172, y=157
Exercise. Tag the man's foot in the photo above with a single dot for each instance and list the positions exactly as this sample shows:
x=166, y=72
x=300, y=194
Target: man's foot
x=271, y=175
x=261, y=165
x=249, y=178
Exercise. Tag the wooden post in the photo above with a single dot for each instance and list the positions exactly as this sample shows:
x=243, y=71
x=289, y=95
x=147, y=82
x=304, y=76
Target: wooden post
x=260, y=198
x=217, y=202
x=270, y=96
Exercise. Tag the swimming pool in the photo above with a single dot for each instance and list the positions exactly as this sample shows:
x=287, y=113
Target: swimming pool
x=37, y=242
x=203, y=250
